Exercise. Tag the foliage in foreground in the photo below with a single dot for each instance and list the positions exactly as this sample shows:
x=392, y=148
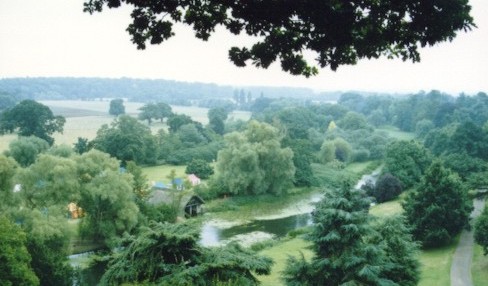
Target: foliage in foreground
x=169, y=254
x=15, y=260
x=354, y=29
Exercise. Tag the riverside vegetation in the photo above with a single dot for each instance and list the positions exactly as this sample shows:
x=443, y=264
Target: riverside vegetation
x=290, y=150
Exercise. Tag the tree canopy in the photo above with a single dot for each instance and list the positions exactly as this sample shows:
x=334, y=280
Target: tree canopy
x=15, y=268
x=32, y=119
x=128, y=140
x=253, y=162
x=338, y=32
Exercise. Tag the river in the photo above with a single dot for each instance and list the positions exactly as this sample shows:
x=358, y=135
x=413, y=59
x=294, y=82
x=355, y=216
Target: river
x=297, y=215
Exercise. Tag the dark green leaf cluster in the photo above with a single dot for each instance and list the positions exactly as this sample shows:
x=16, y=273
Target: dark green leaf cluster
x=200, y=168
x=387, y=188
x=340, y=33
x=31, y=118
x=169, y=254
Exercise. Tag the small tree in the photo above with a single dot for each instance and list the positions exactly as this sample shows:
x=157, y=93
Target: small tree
x=439, y=208
x=26, y=149
x=200, y=168
x=387, y=188
x=116, y=107
x=481, y=230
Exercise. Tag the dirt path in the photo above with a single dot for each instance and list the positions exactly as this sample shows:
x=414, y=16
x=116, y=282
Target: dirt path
x=461, y=261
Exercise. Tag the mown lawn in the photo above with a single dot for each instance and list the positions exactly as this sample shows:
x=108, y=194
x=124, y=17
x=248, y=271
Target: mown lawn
x=396, y=133
x=161, y=173
x=436, y=265
x=387, y=209
x=479, y=267
x=279, y=253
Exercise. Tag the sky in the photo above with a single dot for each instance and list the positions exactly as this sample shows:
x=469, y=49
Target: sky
x=49, y=38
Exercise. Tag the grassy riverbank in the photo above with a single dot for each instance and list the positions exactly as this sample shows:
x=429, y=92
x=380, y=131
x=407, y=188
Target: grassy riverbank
x=479, y=267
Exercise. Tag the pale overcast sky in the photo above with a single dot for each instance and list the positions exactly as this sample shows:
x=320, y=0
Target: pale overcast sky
x=44, y=38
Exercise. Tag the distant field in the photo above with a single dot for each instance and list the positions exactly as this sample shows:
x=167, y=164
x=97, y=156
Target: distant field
x=84, y=118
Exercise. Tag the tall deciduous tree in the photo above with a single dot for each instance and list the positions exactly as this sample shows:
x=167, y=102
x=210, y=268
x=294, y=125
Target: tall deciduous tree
x=128, y=140
x=49, y=181
x=407, y=160
x=109, y=203
x=340, y=33
x=32, y=119
x=116, y=107
x=216, y=119
x=439, y=208
x=253, y=162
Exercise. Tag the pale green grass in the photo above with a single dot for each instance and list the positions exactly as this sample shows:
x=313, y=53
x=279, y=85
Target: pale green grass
x=240, y=115
x=386, y=209
x=436, y=265
x=479, y=267
x=86, y=127
x=396, y=133
x=161, y=173
x=361, y=168
x=98, y=106
x=241, y=208
x=279, y=253
x=5, y=141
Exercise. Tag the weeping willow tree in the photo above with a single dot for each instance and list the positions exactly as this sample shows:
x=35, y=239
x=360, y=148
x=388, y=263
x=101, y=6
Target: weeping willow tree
x=169, y=254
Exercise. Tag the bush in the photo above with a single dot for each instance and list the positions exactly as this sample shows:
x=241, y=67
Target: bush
x=387, y=188
x=361, y=155
x=200, y=168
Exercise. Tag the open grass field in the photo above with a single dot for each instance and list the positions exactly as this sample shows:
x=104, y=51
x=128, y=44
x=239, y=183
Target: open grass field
x=279, y=254
x=479, y=267
x=396, y=133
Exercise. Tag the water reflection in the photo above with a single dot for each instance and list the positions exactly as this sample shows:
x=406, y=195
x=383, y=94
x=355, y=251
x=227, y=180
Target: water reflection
x=213, y=236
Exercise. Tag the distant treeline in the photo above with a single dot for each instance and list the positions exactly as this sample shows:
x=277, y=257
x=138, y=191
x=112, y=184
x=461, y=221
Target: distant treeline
x=146, y=90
